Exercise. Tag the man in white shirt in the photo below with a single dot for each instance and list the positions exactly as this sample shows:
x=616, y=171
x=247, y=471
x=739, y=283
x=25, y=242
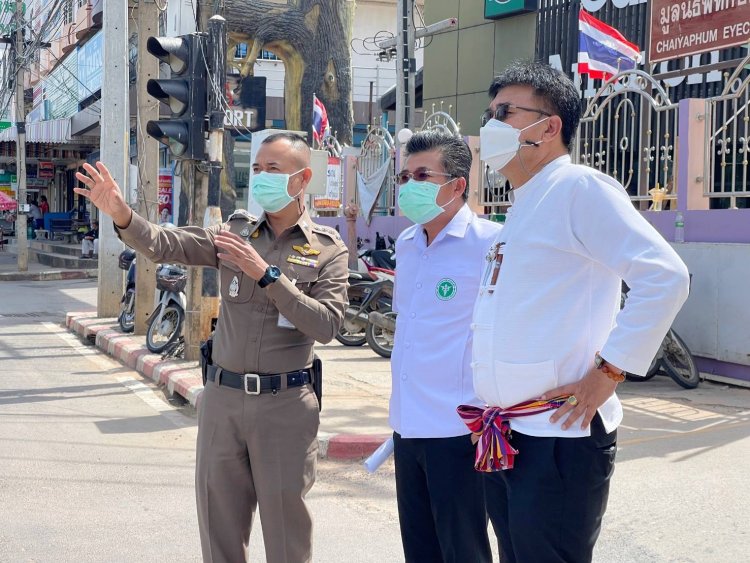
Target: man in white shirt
x=440, y=497
x=547, y=322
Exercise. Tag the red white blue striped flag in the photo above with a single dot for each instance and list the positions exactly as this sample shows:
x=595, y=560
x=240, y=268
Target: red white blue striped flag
x=602, y=50
x=320, y=119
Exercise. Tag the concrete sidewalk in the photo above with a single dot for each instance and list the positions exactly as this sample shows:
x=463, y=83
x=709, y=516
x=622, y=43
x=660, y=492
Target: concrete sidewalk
x=37, y=272
x=356, y=384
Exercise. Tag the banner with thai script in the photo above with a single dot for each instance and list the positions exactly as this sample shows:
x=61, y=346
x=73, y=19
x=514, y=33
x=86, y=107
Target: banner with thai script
x=165, y=195
x=332, y=198
x=686, y=27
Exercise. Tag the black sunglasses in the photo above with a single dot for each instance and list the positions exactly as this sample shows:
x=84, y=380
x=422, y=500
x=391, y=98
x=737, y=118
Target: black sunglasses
x=502, y=110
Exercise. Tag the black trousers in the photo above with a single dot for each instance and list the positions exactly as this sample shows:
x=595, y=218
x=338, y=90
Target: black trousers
x=440, y=496
x=549, y=507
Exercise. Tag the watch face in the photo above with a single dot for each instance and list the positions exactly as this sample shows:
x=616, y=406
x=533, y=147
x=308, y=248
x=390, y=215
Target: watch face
x=274, y=272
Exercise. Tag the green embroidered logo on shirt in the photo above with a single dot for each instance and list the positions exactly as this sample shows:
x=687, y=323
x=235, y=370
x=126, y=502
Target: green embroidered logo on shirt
x=446, y=289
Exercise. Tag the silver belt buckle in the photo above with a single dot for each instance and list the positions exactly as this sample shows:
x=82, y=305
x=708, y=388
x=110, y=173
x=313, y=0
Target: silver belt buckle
x=252, y=377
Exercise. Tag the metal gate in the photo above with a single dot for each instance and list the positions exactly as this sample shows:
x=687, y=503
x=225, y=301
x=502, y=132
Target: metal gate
x=441, y=121
x=377, y=149
x=728, y=122
x=629, y=131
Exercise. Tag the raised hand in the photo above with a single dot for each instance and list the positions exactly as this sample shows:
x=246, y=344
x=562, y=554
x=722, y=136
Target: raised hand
x=104, y=193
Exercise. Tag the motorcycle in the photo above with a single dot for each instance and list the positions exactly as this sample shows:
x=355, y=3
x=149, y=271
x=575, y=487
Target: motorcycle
x=673, y=358
x=366, y=295
x=381, y=331
x=165, y=323
x=126, y=318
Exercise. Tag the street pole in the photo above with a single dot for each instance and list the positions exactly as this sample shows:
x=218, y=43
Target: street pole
x=148, y=159
x=21, y=218
x=204, y=286
x=405, y=65
x=115, y=143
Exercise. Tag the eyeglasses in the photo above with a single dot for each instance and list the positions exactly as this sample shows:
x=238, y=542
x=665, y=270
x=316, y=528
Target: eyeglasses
x=502, y=110
x=420, y=176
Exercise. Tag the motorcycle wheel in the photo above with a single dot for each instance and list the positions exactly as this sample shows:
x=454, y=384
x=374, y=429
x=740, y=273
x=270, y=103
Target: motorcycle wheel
x=161, y=336
x=351, y=338
x=127, y=311
x=653, y=369
x=679, y=363
x=379, y=338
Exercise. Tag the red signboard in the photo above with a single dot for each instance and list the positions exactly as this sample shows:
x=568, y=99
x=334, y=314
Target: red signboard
x=45, y=170
x=686, y=27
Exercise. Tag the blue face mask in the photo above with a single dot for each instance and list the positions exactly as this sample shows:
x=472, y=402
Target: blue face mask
x=418, y=200
x=270, y=190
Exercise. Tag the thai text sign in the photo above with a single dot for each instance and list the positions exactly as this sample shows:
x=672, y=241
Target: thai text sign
x=687, y=27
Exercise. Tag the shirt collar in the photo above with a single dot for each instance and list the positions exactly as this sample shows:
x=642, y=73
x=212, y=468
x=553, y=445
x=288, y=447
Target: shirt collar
x=539, y=177
x=457, y=226
x=304, y=223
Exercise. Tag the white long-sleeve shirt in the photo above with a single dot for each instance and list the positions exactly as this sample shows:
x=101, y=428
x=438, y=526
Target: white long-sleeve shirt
x=436, y=287
x=571, y=236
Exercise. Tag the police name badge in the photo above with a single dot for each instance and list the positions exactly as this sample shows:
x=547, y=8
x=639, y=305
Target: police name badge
x=234, y=287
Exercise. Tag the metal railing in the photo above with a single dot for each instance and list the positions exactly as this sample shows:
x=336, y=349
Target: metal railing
x=728, y=128
x=629, y=131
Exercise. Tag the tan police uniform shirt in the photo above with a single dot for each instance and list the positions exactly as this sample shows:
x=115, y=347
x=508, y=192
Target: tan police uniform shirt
x=271, y=329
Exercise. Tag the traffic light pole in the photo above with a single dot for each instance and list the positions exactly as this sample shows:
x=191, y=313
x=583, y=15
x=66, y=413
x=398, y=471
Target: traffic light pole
x=21, y=218
x=148, y=160
x=203, y=304
x=115, y=146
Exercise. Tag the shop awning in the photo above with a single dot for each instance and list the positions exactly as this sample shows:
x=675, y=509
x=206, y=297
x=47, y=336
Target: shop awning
x=56, y=131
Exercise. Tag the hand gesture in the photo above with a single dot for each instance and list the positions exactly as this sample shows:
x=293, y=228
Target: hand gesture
x=241, y=253
x=586, y=396
x=104, y=193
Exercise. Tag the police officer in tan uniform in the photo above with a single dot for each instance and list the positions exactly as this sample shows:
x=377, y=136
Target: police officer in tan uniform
x=283, y=286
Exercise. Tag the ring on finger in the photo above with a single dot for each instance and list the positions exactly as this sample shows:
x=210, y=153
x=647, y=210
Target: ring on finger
x=572, y=400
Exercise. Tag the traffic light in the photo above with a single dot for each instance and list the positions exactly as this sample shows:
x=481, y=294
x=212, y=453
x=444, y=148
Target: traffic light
x=184, y=93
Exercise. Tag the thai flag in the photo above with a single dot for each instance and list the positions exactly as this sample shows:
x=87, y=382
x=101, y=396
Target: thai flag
x=602, y=50
x=320, y=119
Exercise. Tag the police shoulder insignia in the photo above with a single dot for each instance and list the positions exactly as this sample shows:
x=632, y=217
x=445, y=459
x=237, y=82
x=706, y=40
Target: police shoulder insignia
x=328, y=231
x=242, y=213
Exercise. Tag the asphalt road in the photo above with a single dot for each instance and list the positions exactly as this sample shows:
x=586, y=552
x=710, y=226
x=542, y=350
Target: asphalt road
x=97, y=464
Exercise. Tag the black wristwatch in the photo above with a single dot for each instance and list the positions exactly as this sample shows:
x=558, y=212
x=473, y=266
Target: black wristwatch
x=272, y=274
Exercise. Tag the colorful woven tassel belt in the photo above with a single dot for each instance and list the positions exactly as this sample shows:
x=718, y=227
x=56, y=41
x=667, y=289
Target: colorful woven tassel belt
x=492, y=426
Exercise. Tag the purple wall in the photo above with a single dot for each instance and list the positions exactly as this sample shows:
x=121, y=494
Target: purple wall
x=714, y=225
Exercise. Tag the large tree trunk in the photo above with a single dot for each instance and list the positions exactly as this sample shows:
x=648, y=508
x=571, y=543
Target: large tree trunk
x=312, y=37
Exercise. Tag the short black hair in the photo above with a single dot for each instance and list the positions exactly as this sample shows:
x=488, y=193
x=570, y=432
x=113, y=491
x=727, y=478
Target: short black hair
x=455, y=154
x=298, y=144
x=555, y=89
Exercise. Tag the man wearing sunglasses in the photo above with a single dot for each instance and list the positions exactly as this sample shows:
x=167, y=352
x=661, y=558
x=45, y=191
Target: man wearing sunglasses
x=440, y=497
x=548, y=327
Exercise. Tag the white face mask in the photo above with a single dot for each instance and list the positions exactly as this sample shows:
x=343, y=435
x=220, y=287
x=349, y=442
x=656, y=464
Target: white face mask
x=499, y=142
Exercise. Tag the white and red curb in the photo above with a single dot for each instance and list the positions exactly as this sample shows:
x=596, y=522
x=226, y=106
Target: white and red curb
x=183, y=378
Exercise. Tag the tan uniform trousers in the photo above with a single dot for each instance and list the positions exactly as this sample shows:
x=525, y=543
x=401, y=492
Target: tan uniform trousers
x=256, y=451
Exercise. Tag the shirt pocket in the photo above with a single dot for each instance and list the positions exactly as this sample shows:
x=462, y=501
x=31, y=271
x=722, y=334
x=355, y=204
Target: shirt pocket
x=304, y=278
x=515, y=383
x=236, y=286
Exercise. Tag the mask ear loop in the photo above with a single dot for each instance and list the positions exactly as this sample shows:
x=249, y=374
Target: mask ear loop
x=298, y=194
x=528, y=143
x=452, y=199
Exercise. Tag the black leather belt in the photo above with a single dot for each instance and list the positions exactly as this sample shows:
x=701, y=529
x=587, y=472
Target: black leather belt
x=255, y=384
